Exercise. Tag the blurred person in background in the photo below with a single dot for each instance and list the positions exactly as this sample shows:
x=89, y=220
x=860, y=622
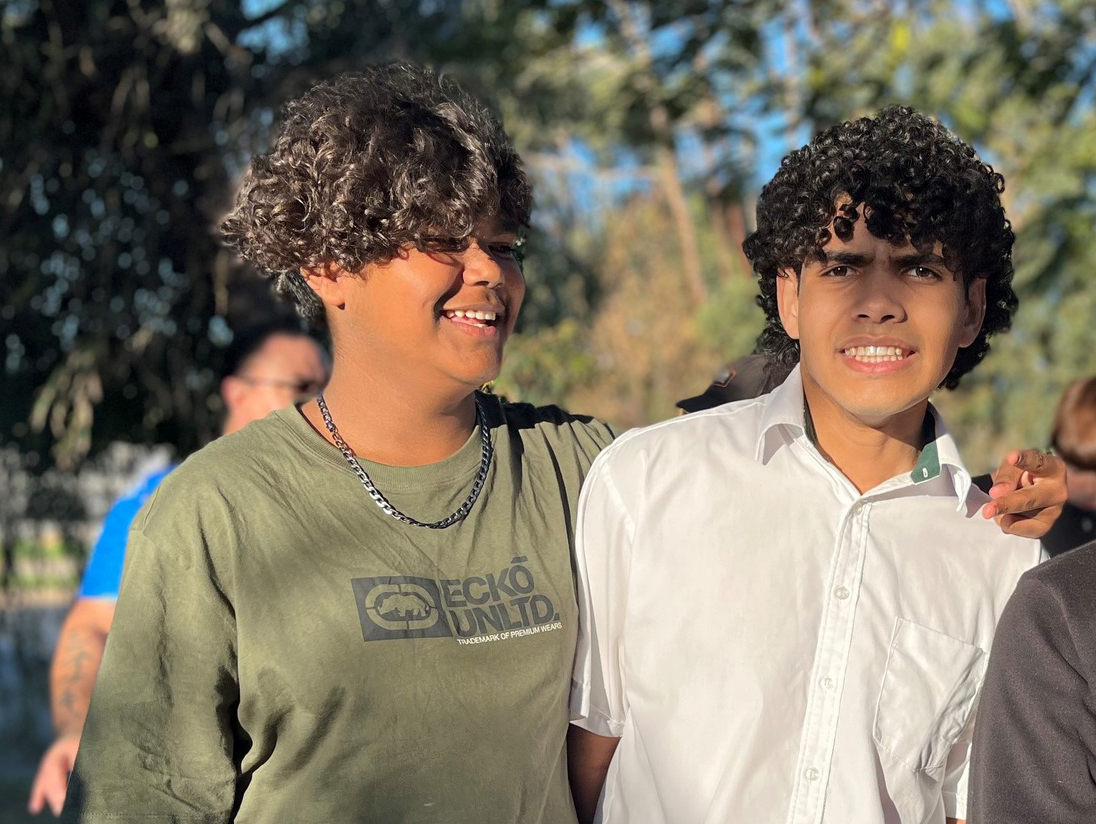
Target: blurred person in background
x=1074, y=439
x=266, y=367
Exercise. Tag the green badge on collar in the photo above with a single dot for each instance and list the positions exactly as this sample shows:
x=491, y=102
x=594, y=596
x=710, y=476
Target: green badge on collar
x=928, y=465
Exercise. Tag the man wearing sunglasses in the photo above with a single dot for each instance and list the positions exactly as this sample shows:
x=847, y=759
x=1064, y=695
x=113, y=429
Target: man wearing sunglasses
x=266, y=368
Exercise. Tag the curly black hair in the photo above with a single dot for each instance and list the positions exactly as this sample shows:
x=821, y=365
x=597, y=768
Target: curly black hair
x=917, y=183
x=367, y=164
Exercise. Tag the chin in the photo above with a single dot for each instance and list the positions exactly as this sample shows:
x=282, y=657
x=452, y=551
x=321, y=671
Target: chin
x=478, y=380
x=879, y=414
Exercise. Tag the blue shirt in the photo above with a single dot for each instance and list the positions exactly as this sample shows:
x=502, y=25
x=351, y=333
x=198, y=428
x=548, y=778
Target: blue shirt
x=103, y=574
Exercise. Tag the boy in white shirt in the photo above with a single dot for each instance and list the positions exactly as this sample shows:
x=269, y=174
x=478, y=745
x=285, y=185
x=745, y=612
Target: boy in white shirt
x=792, y=625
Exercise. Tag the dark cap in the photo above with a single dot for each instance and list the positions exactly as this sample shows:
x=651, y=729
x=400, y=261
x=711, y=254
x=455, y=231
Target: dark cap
x=742, y=378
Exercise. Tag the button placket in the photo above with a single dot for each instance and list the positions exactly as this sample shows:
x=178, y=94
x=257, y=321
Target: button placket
x=835, y=637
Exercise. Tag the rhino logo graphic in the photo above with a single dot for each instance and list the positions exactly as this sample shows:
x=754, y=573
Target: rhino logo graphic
x=399, y=607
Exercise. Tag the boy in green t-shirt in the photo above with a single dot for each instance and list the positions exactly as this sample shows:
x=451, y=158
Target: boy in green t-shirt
x=362, y=608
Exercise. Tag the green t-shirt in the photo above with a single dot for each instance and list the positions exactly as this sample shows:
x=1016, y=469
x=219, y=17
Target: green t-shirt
x=283, y=650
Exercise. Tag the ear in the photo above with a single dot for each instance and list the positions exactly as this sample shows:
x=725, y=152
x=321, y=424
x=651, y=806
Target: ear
x=232, y=392
x=328, y=281
x=975, y=312
x=787, y=301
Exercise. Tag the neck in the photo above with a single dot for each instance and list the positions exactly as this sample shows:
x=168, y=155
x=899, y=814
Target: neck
x=402, y=425
x=867, y=455
x=233, y=423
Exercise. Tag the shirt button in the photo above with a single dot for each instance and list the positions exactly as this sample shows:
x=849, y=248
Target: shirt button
x=812, y=774
x=842, y=593
x=828, y=684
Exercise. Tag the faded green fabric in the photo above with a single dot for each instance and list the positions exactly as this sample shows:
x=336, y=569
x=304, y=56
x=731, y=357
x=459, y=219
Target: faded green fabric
x=285, y=651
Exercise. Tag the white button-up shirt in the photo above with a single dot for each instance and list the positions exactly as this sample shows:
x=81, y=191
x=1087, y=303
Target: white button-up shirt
x=769, y=644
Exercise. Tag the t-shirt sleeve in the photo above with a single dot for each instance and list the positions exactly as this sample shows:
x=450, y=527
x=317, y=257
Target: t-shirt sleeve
x=602, y=558
x=158, y=741
x=1032, y=752
x=103, y=573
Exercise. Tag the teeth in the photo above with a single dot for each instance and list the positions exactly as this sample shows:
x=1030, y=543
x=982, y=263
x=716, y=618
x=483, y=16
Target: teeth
x=876, y=354
x=470, y=314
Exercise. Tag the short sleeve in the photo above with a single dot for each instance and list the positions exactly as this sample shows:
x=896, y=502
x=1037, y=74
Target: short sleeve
x=103, y=574
x=1034, y=742
x=603, y=543
x=158, y=743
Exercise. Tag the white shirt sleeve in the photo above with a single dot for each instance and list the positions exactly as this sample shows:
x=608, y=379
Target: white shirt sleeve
x=603, y=542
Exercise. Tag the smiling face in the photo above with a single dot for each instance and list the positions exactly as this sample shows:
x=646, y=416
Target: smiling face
x=878, y=326
x=437, y=318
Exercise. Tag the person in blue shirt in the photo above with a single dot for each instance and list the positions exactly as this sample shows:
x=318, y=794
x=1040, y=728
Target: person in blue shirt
x=267, y=368
x=103, y=573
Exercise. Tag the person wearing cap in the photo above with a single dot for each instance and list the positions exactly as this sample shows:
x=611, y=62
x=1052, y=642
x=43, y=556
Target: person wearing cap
x=741, y=379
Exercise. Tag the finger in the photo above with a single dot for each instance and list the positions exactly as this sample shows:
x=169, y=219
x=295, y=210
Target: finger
x=1022, y=526
x=37, y=799
x=1021, y=480
x=38, y=795
x=1035, y=461
x=56, y=799
x=1021, y=501
x=1007, y=474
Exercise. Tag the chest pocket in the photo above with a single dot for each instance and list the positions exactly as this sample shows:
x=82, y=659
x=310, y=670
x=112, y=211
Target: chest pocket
x=927, y=694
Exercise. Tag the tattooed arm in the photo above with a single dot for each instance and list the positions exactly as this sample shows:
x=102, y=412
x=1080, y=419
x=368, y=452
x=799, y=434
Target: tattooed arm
x=72, y=676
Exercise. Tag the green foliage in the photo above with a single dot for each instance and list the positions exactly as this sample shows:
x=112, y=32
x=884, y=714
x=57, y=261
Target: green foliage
x=730, y=321
x=548, y=365
x=642, y=123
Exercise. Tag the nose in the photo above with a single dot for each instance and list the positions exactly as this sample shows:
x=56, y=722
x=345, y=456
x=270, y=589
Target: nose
x=481, y=268
x=878, y=300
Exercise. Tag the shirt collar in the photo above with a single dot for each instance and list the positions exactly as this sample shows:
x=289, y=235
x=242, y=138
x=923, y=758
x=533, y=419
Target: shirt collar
x=783, y=421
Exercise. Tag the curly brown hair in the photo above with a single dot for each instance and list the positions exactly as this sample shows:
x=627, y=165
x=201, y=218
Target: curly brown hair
x=367, y=164
x=917, y=183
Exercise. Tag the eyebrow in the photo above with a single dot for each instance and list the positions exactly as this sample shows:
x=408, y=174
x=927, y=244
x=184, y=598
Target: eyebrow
x=920, y=259
x=856, y=259
x=847, y=258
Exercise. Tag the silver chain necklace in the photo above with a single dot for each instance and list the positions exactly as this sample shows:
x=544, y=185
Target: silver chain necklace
x=378, y=497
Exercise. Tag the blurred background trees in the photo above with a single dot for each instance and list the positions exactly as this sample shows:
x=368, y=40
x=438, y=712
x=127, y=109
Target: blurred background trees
x=648, y=127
